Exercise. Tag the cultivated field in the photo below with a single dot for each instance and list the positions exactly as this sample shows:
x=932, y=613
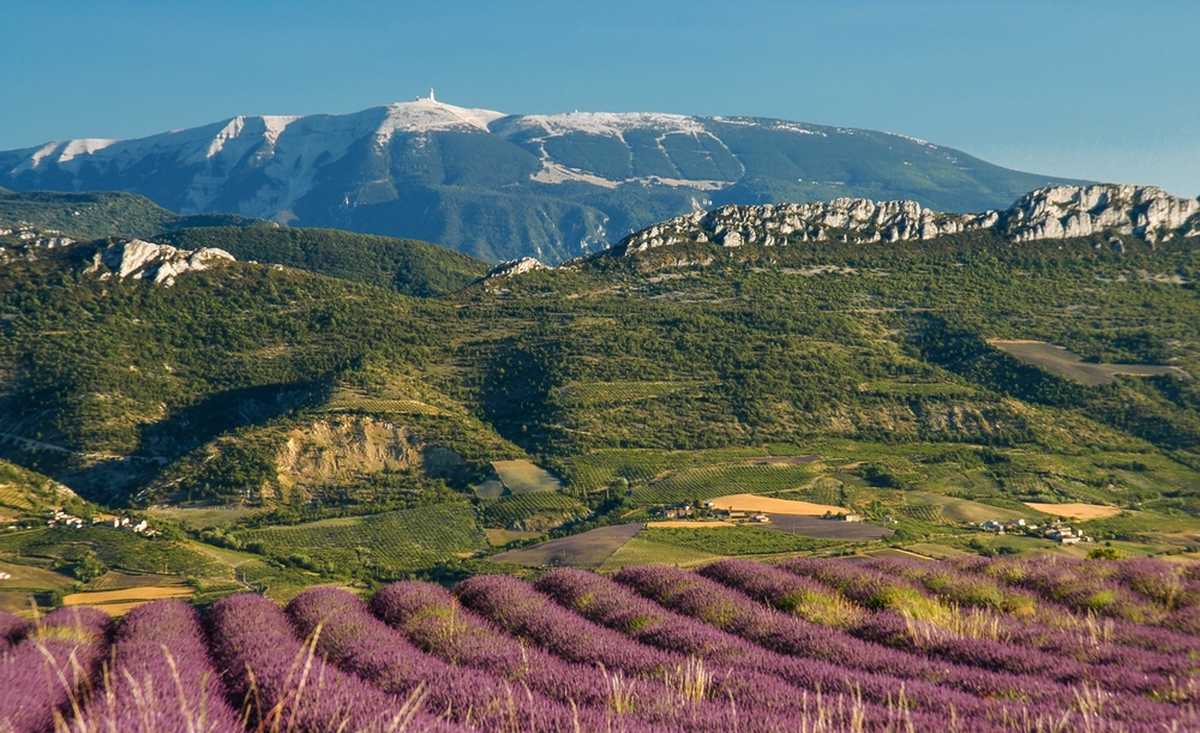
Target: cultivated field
x=525, y=477
x=585, y=550
x=1060, y=361
x=827, y=528
x=888, y=644
x=399, y=540
x=120, y=602
x=1076, y=510
x=771, y=505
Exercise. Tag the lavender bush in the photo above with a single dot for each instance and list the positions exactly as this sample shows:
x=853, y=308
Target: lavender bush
x=51, y=671
x=286, y=686
x=160, y=678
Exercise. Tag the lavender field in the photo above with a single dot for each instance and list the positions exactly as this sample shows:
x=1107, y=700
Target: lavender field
x=809, y=645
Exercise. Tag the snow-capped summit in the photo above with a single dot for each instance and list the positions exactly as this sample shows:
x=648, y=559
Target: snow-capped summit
x=427, y=114
x=502, y=186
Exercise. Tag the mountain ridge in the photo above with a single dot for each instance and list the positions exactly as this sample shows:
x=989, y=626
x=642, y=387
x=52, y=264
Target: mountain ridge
x=1054, y=212
x=501, y=186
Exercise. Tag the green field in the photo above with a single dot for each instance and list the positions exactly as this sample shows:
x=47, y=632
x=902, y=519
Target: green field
x=520, y=509
x=641, y=551
x=585, y=550
x=597, y=470
x=525, y=477
x=390, y=543
x=712, y=481
x=116, y=549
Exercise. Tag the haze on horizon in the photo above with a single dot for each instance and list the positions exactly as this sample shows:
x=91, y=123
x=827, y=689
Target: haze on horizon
x=1097, y=90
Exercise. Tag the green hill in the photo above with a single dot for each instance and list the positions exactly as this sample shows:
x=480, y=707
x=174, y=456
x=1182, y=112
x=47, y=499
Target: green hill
x=404, y=265
x=858, y=375
x=85, y=215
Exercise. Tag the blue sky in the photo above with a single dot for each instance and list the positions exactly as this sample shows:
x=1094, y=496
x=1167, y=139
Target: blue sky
x=1103, y=89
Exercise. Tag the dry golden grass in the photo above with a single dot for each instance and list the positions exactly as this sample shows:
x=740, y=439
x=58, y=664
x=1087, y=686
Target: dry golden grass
x=1082, y=512
x=689, y=523
x=768, y=505
x=120, y=602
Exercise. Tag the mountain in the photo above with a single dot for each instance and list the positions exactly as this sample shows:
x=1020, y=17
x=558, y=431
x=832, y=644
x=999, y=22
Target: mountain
x=503, y=186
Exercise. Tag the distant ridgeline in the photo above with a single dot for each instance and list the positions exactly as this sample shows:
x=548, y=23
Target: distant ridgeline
x=503, y=186
x=40, y=221
x=1057, y=212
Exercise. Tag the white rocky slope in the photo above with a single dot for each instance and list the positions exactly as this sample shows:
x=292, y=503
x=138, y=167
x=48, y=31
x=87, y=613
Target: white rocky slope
x=1054, y=212
x=158, y=263
x=515, y=267
x=1058, y=212
x=27, y=241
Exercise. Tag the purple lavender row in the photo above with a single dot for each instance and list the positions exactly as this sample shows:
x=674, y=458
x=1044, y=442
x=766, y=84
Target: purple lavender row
x=1050, y=627
x=1079, y=585
x=980, y=590
x=1088, y=588
x=360, y=643
x=607, y=603
x=12, y=629
x=286, y=687
x=436, y=622
x=733, y=611
x=515, y=606
x=887, y=594
x=161, y=678
x=49, y=673
x=1041, y=700
x=1167, y=584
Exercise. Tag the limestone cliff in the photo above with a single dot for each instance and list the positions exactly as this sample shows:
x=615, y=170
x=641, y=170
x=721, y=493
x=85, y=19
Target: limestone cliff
x=158, y=263
x=1053, y=212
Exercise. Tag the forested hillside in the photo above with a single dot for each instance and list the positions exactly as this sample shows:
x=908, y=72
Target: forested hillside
x=248, y=399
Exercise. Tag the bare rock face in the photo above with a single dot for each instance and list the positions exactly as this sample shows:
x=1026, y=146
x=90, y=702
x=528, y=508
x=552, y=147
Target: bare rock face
x=158, y=263
x=515, y=267
x=1059, y=212
x=1054, y=212
x=342, y=449
x=25, y=241
x=845, y=219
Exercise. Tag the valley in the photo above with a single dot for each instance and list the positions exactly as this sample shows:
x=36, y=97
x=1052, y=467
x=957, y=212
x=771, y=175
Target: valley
x=326, y=407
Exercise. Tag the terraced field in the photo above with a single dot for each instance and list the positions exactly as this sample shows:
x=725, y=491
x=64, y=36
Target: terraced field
x=396, y=541
x=708, y=482
x=585, y=550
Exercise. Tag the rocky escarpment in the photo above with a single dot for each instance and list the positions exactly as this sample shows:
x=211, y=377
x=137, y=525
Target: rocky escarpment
x=158, y=263
x=1058, y=212
x=1053, y=212
x=26, y=241
x=515, y=267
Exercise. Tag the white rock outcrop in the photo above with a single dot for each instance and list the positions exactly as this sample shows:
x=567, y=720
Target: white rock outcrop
x=515, y=267
x=25, y=241
x=158, y=263
x=1058, y=212
x=1054, y=212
